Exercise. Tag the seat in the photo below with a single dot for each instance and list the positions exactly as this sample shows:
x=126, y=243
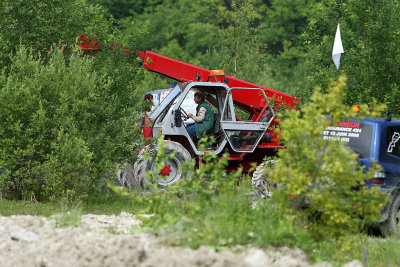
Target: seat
x=217, y=127
x=216, y=132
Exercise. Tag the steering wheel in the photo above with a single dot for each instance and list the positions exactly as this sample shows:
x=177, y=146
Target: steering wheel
x=184, y=115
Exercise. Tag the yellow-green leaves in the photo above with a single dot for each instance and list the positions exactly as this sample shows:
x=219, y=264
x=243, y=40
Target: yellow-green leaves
x=323, y=177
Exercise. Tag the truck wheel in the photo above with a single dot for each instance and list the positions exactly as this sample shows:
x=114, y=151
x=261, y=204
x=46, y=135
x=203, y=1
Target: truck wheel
x=260, y=179
x=391, y=225
x=169, y=174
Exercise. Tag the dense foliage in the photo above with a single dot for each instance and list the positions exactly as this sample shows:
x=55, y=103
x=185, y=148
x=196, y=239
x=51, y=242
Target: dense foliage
x=66, y=119
x=286, y=45
x=39, y=24
x=370, y=35
x=62, y=128
x=211, y=207
x=320, y=180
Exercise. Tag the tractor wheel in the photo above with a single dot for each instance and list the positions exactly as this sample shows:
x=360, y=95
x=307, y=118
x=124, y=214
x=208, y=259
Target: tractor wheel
x=169, y=174
x=126, y=177
x=260, y=180
x=391, y=226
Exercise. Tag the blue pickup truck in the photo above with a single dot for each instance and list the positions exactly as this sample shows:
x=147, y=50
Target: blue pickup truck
x=376, y=141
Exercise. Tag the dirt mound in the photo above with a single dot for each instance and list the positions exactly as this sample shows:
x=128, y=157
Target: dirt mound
x=34, y=241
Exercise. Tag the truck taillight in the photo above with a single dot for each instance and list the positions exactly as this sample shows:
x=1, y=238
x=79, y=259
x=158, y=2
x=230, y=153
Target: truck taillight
x=379, y=178
x=377, y=181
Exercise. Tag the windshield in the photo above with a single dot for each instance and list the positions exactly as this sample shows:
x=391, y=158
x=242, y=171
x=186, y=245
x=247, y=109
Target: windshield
x=357, y=135
x=167, y=100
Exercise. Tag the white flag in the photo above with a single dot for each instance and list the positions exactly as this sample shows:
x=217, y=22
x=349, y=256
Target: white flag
x=337, y=48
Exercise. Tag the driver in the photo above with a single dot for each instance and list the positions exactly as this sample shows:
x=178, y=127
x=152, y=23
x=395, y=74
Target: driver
x=204, y=119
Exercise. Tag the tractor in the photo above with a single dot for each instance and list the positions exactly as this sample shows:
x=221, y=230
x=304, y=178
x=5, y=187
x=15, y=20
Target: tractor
x=244, y=119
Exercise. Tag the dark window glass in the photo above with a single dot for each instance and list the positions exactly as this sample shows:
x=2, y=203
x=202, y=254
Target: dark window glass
x=357, y=135
x=393, y=141
x=243, y=140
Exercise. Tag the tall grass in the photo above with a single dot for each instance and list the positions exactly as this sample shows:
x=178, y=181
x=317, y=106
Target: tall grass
x=227, y=220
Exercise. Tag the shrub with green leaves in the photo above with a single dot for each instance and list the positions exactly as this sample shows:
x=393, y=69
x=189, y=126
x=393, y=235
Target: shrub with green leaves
x=63, y=125
x=320, y=181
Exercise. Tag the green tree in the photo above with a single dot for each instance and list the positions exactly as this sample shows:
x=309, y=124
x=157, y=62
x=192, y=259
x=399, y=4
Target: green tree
x=66, y=119
x=281, y=30
x=184, y=30
x=370, y=36
x=40, y=24
x=193, y=25
x=123, y=11
x=241, y=53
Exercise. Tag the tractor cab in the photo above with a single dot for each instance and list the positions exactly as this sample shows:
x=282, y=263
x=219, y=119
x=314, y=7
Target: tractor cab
x=234, y=124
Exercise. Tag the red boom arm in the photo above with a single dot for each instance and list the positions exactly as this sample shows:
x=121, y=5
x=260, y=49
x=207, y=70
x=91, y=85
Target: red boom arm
x=185, y=72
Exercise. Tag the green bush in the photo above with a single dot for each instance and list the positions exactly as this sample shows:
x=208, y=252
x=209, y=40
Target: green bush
x=213, y=207
x=63, y=125
x=321, y=176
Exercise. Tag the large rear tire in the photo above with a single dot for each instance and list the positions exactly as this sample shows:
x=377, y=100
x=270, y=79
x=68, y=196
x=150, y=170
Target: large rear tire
x=173, y=167
x=391, y=226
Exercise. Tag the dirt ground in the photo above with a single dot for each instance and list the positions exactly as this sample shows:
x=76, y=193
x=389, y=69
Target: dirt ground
x=108, y=241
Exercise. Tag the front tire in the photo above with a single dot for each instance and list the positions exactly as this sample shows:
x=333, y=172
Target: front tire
x=391, y=226
x=172, y=174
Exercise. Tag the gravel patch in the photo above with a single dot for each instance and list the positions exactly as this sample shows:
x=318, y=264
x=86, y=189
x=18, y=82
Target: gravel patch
x=35, y=241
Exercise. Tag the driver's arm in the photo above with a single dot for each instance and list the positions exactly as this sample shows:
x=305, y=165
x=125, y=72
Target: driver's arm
x=201, y=115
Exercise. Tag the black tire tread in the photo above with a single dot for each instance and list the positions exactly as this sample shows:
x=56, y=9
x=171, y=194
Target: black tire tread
x=260, y=180
x=389, y=227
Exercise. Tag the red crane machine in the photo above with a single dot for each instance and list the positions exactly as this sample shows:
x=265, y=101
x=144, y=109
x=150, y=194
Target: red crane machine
x=244, y=125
